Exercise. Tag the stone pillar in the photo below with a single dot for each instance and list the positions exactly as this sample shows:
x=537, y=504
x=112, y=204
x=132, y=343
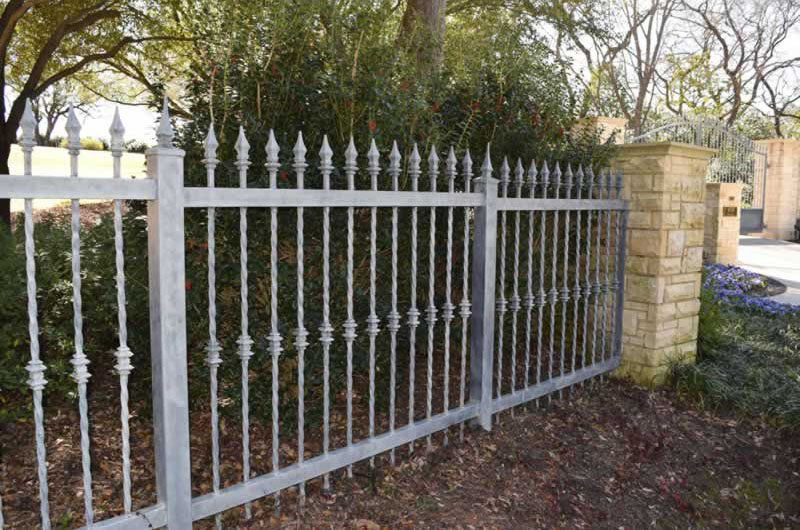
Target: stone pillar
x=665, y=184
x=723, y=212
x=782, y=200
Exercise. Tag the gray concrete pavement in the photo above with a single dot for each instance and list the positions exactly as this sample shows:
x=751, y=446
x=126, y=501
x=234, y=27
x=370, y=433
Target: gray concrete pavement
x=774, y=258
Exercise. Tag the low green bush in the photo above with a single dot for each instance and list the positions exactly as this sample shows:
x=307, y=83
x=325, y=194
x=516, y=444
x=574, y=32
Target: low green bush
x=89, y=144
x=748, y=362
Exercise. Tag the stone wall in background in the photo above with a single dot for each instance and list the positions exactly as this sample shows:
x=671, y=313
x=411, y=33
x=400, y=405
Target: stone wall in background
x=723, y=213
x=782, y=200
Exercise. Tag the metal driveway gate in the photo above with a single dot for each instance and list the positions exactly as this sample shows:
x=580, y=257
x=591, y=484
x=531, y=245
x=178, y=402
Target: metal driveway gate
x=523, y=299
x=738, y=159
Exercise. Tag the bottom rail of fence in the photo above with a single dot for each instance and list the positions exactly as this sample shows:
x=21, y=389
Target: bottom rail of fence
x=145, y=519
x=264, y=485
x=553, y=385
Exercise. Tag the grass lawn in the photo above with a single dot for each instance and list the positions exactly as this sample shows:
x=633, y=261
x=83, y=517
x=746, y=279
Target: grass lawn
x=54, y=162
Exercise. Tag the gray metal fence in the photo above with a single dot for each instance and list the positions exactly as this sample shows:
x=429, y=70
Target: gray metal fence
x=538, y=277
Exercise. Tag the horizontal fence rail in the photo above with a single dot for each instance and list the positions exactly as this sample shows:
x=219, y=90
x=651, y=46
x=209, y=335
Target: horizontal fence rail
x=340, y=325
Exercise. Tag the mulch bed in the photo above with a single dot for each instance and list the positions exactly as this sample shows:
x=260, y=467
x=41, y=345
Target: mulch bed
x=613, y=456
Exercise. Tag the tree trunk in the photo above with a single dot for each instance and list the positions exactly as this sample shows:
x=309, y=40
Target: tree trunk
x=5, y=204
x=422, y=31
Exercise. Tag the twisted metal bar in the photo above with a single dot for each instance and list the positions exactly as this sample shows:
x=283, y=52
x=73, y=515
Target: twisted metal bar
x=301, y=342
x=244, y=341
x=541, y=297
x=123, y=352
x=35, y=367
x=326, y=330
x=413, y=312
x=79, y=361
x=213, y=359
x=567, y=185
x=553, y=293
x=350, y=324
x=604, y=287
x=433, y=170
x=515, y=306
x=615, y=285
x=576, y=291
x=587, y=286
x=502, y=303
x=372, y=319
x=596, y=284
x=530, y=300
x=274, y=338
x=464, y=305
x=448, y=309
x=394, y=316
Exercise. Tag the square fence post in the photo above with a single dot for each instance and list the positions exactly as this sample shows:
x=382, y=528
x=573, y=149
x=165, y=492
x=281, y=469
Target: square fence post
x=483, y=292
x=165, y=234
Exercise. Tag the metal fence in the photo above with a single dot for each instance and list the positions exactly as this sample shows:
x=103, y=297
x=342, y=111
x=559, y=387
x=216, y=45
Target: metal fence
x=534, y=262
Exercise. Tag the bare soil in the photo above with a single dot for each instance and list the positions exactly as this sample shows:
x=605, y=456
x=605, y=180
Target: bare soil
x=613, y=456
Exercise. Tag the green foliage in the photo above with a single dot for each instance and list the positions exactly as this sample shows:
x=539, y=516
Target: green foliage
x=89, y=144
x=54, y=298
x=748, y=362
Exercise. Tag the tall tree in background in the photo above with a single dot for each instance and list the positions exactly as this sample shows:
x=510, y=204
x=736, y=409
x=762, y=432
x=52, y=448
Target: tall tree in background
x=422, y=31
x=44, y=42
x=742, y=40
x=622, y=53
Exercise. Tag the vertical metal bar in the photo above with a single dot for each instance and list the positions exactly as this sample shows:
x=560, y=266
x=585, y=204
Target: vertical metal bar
x=529, y=298
x=541, y=298
x=587, y=286
x=502, y=303
x=464, y=305
x=244, y=341
x=350, y=168
x=301, y=335
x=596, y=284
x=576, y=291
x=274, y=338
x=372, y=320
x=619, y=269
x=413, y=312
x=604, y=286
x=123, y=353
x=553, y=293
x=448, y=309
x=35, y=366
x=79, y=361
x=483, y=289
x=519, y=175
x=213, y=359
x=168, y=329
x=430, y=311
x=394, y=316
x=567, y=185
x=326, y=330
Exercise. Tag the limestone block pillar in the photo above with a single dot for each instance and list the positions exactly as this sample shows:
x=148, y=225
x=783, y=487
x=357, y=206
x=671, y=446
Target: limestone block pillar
x=665, y=184
x=782, y=200
x=723, y=212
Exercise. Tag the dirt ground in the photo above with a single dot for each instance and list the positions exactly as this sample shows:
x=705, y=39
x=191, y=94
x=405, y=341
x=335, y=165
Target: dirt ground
x=614, y=456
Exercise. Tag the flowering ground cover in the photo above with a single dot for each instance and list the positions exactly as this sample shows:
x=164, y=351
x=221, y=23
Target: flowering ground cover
x=749, y=349
x=742, y=289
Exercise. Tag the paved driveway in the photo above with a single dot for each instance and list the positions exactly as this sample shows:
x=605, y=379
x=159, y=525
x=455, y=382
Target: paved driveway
x=778, y=259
